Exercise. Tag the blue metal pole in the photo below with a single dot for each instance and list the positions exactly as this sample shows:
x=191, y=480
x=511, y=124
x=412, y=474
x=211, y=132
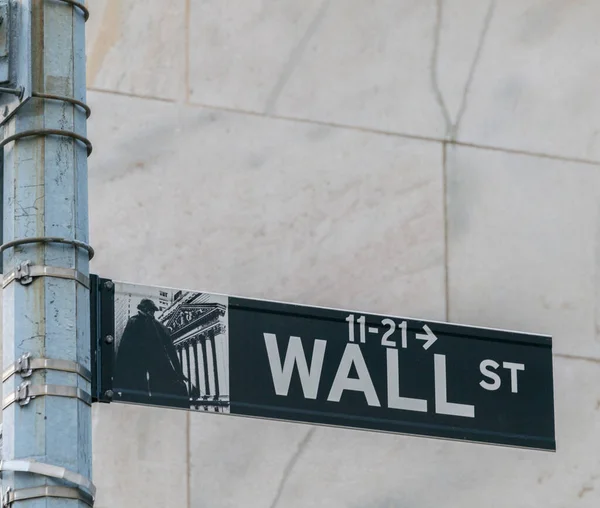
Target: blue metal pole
x=47, y=316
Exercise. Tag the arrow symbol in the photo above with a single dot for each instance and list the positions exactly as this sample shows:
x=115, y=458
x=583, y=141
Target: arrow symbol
x=429, y=337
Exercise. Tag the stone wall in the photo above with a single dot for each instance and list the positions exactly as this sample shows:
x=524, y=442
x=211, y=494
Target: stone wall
x=437, y=159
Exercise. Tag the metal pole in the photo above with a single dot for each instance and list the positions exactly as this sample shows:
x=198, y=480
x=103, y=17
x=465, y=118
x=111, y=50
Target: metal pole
x=47, y=448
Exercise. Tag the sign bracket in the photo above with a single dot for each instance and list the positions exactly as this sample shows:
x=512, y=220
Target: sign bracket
x=102, y=321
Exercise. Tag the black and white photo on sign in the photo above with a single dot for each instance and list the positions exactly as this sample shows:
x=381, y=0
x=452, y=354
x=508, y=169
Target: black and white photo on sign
x=171, y=348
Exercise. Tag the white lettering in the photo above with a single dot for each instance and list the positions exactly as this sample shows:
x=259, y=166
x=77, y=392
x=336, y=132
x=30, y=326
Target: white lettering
x=353, y=356
x=514, y=367
x=391, y=328
x=404, y=327
x=282, y=375
x=442, y=406
x=483, y=367
x=393, y=382
x=361, y=329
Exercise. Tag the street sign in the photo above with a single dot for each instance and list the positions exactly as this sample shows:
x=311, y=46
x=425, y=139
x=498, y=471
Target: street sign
x=215, y=353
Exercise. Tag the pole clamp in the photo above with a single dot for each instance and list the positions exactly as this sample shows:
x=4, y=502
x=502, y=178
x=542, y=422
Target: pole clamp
x=25, y=272
x=26, y=391
x=39, y=468
x=77, y=493
x=25, y=366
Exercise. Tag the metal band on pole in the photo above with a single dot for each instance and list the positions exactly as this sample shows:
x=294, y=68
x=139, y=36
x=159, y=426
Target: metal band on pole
x=26, y=391
x=47, y=239
x=25, y=366
x=79, y=5
x=77, y=493
x=63, y=98
x=25, y=272
x=34, y=467
x=49, y=132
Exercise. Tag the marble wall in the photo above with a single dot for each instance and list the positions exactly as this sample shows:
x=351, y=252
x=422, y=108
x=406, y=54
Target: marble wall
x=430, y=158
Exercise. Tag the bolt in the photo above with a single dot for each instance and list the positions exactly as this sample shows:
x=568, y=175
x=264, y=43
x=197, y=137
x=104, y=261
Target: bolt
x=109, y=339
x=109, y=284
x=5, y=111
x=109, y=394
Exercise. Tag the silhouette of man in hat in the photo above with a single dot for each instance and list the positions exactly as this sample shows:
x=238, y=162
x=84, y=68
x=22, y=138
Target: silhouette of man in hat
x=147, y=365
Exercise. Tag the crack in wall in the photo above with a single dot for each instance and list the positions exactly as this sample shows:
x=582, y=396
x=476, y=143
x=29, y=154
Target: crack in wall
x=597, y=279
x=186, y=72
x=357, y=128
x=482, y=37
x=452, y=127
x=446, y=252
x=576, y=357
x=291, y=464
x=294, y=58
x=439, y=15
